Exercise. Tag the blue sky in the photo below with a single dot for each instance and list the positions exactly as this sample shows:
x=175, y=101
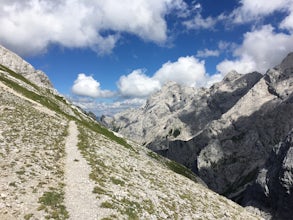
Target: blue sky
x=110, y=55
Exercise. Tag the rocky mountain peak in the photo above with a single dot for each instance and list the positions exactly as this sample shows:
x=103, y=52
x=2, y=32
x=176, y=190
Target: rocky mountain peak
x=287, y=63
x=224, y=133
x=20, y=66
x=280, y=78
x=232, y=75
x=169, y=84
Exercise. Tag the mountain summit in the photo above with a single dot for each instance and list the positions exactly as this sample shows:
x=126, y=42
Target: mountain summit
x=224, y=133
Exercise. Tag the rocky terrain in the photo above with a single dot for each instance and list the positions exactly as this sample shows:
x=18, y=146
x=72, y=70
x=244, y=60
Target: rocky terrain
x=272, y=190
x=224, y=133
x=17, y=64
x=58, y=163
x=177, y=112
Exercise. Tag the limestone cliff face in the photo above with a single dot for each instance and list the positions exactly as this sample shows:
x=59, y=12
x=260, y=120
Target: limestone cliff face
x=229, y=151
x=17, y=64
x=178, y=113
x=227, y=132
x=272, y=190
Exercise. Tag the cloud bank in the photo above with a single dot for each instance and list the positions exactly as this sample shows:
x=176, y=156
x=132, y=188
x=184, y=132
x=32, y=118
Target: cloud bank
x=107, y=108
x=188, y=71
x=261, y=49
x=265, y=45
x=137, y=84
x=251, y=10
x=29, y=27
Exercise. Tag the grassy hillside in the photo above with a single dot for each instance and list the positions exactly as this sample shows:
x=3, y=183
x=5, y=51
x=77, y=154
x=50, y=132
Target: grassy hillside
x=130, y=182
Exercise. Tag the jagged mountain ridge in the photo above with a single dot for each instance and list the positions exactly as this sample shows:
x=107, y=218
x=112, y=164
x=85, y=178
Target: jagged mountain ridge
x=185, y=109
x=130, y=182
x=235, y=125
x=17, y=64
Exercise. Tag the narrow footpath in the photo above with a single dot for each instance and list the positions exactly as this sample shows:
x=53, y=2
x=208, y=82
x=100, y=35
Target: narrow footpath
x=80, y=202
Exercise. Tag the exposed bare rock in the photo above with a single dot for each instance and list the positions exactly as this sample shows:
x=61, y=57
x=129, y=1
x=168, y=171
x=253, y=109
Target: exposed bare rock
x=178, y=113
x=272, y=190
x=229, y=151
x=226, y=132
x=18, y=65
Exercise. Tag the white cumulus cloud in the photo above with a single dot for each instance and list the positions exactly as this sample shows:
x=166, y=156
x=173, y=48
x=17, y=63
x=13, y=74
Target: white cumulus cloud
x=251, y=10
x=137, y=84
x=287, y=23
x=28, y=27
x=242, y=65
x=261, y=49
x=87, y=86
x=187, y=71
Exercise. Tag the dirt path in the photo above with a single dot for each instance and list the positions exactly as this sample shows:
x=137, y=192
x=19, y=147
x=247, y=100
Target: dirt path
x=79, y=199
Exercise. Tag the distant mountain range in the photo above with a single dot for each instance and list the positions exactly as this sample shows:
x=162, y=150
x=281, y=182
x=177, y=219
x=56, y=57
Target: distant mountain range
x=236, y=135
x=123, y=179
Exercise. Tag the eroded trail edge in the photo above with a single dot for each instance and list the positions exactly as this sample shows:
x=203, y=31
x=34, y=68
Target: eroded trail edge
x=80, y=202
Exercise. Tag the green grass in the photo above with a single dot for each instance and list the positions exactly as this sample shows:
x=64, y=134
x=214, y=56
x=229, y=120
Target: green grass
x=52, y=203
x=51, y=199
x=28, y=216
x=18, y=76
x=148, y=206
x=45, y=101
x=13, y=184
x=131, y=208
x=104, y=131
x=111, y=217
x=99, y=190
x=174, y=166
x=20, y=172
x=154, y=155
x=182, y=170
x=107, y=205
x=117, y=181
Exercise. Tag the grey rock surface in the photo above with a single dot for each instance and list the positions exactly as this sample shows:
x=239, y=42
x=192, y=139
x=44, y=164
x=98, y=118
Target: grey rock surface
x=228, y=153
x=178, y=113
x=273, y=188
x=18, y=65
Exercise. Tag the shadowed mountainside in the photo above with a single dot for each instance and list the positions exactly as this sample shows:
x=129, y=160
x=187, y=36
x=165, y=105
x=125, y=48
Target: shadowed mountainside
x=224, y=133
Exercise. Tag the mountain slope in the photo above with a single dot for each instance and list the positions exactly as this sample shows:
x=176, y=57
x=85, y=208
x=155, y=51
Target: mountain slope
x=17, y=64
x=127, y=180
x=231, y=127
